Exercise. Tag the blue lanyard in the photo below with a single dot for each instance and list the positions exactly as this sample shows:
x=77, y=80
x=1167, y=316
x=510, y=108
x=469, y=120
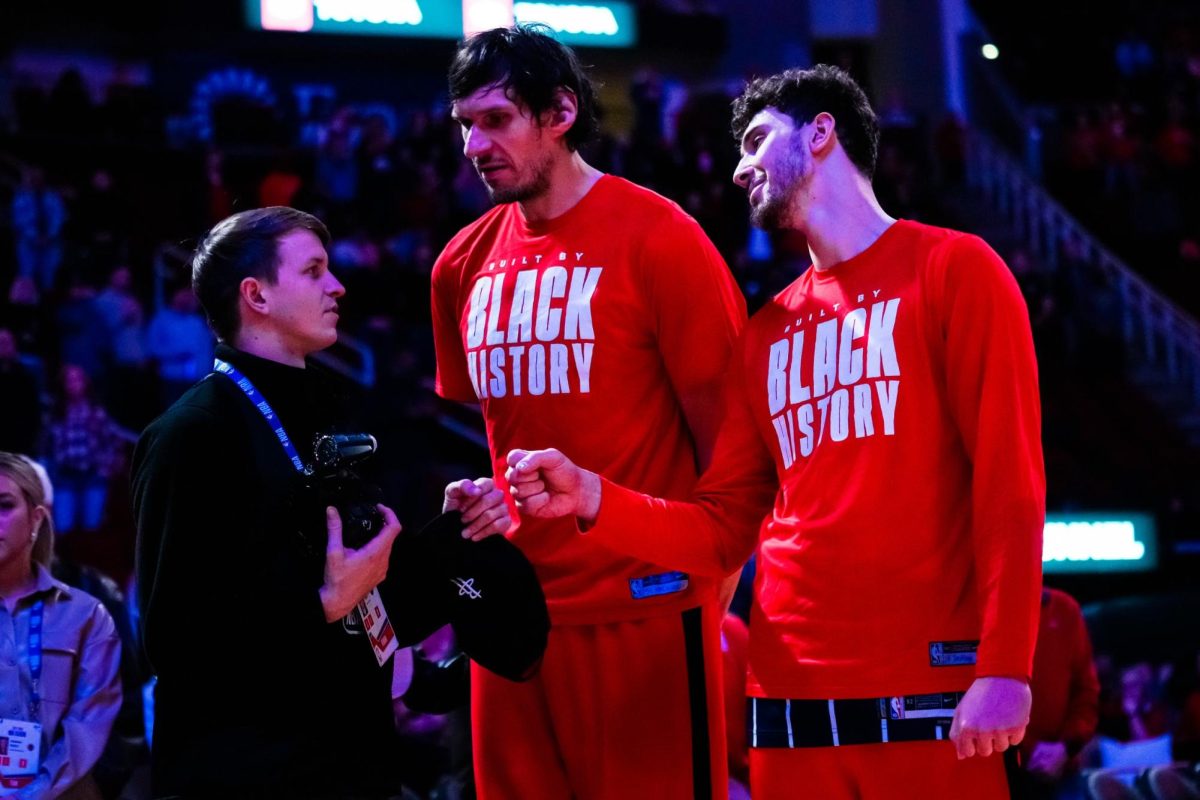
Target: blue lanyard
x=34, y=654
x=264, y=408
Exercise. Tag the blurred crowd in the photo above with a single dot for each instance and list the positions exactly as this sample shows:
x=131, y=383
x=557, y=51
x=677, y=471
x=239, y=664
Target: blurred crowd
x=1124, y=149
x=1111, y=724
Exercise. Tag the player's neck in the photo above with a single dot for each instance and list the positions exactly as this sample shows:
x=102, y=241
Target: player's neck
x=570, y=180
x=842, y=219
x=267, y=343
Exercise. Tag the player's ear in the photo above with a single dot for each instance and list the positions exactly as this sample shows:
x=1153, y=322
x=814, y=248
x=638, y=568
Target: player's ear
x=822, y=133
x=562, y=113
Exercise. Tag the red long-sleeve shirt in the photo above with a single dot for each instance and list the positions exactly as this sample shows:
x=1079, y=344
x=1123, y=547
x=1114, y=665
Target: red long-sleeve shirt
x=604, y=332
x=883, y=415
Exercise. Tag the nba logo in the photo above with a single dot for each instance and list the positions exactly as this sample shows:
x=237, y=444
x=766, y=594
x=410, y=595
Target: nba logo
x=935, y=654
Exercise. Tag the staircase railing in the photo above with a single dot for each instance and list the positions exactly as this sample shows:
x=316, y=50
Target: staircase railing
x=1156, y=332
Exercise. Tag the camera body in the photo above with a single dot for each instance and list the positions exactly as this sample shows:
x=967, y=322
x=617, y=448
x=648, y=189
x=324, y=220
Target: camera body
x=340, y=486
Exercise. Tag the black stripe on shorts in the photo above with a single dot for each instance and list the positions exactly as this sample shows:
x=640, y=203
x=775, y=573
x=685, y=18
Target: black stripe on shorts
x=693, y=641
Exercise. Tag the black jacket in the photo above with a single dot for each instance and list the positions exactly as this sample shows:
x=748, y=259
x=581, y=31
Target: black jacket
x=257, y=694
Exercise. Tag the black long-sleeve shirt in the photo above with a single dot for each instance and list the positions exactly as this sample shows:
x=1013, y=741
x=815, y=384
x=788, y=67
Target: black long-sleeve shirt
x=256, y=692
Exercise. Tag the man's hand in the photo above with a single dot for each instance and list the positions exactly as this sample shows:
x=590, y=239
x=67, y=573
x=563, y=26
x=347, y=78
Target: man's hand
x=1049, y=759
x=351, y=574
x=547, y=484
x=991, y=716
x=484, y=512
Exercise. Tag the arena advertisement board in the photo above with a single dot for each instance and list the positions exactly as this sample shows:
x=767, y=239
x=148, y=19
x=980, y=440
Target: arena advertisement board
x=1116, y=542
x=603, y=23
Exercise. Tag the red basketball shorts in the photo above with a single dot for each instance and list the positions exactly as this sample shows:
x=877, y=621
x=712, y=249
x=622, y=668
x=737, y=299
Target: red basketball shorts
x=893, y=771
x=620, y=710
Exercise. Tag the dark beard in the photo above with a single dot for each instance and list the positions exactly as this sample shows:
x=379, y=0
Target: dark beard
x=771, y=215
x=538, y=185
x=775, y=213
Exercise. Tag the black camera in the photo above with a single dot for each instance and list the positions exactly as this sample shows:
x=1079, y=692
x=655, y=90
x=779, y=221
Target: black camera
x=339, y=486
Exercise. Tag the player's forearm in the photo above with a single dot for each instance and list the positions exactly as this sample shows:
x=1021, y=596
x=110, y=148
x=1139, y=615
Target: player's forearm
x=1008, y=517
x=1008, y=562
x=704, y=538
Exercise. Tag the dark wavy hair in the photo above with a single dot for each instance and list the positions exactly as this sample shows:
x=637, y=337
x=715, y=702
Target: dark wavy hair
x=245, y=245
x=804, y=93
x=530, y=65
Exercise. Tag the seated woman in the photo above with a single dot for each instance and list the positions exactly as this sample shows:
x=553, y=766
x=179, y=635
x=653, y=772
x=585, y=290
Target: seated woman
x=1135, y=736
x=59, y=704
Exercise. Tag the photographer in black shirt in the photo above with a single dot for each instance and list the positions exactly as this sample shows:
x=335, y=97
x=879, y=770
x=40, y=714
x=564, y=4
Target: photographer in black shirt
x=265, y=687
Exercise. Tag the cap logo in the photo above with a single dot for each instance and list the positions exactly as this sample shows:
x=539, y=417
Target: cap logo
x=467, y=588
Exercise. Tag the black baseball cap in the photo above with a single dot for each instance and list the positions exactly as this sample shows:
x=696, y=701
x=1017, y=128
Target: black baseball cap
x=487, y=591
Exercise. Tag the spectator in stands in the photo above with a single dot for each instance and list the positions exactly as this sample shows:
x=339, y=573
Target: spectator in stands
x=280, y=186
x=470, y=197
x=123, y=318
x=22, y=418
x=1187, y=730
x=898, y=181
x=38, y=216
x=219, y=198
x=1082, y=158
x=179, y=342
x=1135, y=733
x=1066, y=698
x=950, y=149
x=357, y=251
x=98, y=219
x=127, y=390
x=1175, y=145
x=336, y=171
x=24, y=316
x=69, y=105
x=127, y=748
x=1083, y=144
x=83, y=336
x=82, y=453
x=378, y=172
x=1121, y=149
x=1144, y=713
x=1133, y=56
x=67, y=677
x=1038, y=289
x=900, y=125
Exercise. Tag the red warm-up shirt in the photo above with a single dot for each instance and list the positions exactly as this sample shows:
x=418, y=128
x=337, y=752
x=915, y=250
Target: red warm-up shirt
x=604, y=332
x=1066, y=690
x=883, y=414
